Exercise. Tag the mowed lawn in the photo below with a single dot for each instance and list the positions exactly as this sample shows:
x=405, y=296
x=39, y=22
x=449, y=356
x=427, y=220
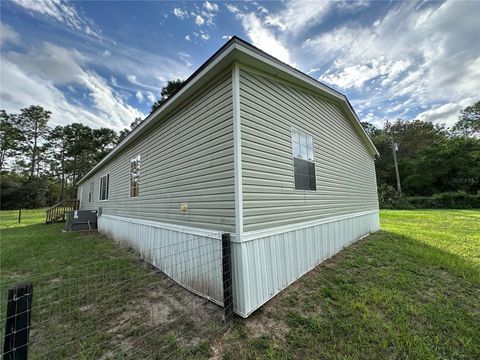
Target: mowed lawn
x=411, y=290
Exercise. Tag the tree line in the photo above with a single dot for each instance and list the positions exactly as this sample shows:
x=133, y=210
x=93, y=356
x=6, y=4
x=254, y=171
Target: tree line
x=432, y=159
x=40, y=165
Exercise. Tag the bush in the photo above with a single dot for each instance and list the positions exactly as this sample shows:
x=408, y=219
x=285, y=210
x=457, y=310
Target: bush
x=447, y=200
x=389, y=198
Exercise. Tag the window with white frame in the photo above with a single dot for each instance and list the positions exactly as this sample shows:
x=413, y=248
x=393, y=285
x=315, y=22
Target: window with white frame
x=104, y=185
x=303, y=160
x=90, y=192
x=134, y=176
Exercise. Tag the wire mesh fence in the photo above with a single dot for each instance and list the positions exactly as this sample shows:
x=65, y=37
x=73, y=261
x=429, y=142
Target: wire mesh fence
x=21, y=217
x=124, y=307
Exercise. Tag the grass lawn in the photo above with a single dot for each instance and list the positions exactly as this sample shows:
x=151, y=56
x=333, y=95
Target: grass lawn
x=93, y=299
x=411, y=290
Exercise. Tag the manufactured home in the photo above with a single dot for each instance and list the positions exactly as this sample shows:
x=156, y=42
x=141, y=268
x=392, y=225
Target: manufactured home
x=250, y=146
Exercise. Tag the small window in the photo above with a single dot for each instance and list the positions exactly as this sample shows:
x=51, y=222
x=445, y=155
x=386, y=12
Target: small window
x=134, y=176
x=104, y=185
x=303, y=160
x=90, y=192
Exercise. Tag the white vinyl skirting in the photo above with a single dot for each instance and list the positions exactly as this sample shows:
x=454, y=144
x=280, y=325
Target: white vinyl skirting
x=264, y=262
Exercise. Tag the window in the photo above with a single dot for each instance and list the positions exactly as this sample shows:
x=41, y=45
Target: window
x=104, y=185
x=90, y=193
x=134, y=176
x=303, y=160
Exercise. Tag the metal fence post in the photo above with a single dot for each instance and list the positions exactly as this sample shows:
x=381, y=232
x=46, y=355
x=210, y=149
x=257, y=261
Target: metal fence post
x=227, y=278
x=17, y=324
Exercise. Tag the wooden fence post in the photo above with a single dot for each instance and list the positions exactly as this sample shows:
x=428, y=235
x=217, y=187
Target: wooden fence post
x=17, y=323
x=227, y=278
x=19, y=215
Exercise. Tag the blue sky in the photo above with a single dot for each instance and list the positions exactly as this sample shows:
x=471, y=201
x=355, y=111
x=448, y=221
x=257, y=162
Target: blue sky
x=104, y=63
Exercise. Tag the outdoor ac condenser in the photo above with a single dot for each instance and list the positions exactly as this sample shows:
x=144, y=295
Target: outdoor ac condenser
x=78, y=220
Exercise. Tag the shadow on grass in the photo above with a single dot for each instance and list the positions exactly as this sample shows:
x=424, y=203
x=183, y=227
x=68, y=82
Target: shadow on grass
x=386, y=296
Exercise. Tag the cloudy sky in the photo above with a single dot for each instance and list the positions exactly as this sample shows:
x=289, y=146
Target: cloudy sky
x=104, y=63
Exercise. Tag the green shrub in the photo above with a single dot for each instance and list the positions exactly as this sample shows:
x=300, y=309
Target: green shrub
x=389, y=198
x=447, y=200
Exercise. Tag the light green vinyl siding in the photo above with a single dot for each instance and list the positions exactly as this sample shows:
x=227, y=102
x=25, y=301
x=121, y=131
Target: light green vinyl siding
x=345, y=172
x=187, y=158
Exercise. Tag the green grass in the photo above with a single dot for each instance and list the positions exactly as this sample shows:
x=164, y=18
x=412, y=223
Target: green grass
x=93, y=297
x=411, y=290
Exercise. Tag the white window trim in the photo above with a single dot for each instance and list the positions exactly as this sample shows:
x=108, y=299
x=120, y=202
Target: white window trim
x=100, y=187
x=292, y=127
x=130, y=177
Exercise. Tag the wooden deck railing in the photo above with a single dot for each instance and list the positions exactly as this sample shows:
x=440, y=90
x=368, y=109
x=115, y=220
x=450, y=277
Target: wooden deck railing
x=57, y=211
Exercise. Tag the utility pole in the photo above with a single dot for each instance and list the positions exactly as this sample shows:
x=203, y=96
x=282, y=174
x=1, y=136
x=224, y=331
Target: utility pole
x=394, y=151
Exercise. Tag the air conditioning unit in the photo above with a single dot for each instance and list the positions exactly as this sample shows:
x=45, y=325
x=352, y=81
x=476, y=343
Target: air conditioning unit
x=79, y=220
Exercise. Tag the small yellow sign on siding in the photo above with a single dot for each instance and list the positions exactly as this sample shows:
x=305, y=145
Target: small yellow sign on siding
x=184, y=208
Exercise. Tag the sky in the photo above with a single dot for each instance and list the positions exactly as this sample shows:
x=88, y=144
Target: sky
x=104, y=63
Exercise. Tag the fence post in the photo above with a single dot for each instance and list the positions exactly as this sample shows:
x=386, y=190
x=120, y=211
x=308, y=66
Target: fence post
x=19, y=215
x=17, y=323
x=227, y=278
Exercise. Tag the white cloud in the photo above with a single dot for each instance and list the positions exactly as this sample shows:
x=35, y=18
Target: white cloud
x=151, y=97
x=210, y=6
x=227, y=37
x=205, y=36
x=275, y=21
x=357, y=75
x=187, y=37
x=139, y=96
x=264, y=39
x=182, y=14
x=232, y=8
x=299, y=15
x=7, y=34
x=52, y=62
x=433, y=59
x=199, y=20
x=106, y=53
x=262, y=9
x=447, y=113
x=33, y=78
x=61, y=11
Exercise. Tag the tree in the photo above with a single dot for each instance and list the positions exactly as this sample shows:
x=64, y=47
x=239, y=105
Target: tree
x=80, y=152
x=123, y=133
x=32, y=123
x=104, y=140
x=370, y=129
x=9, y=138
x=167, y=90
x=469, y=121
x=57, y=149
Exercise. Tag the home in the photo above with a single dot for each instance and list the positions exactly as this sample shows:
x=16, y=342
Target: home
x=250, y=146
